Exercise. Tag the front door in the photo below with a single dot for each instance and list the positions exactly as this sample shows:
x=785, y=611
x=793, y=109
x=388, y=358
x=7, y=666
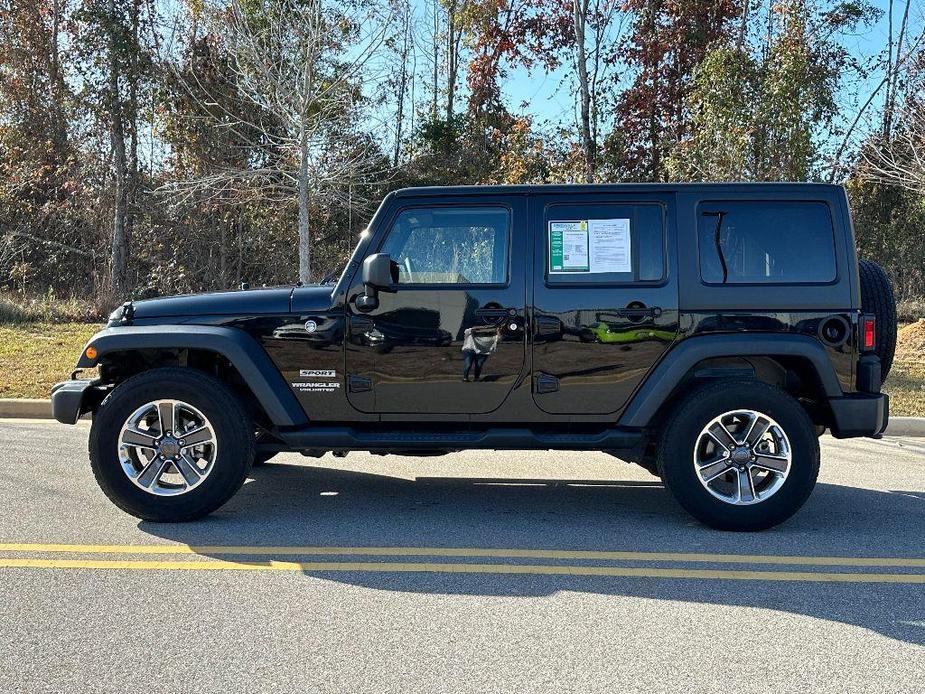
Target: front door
x=451, y=338
x=605, y=297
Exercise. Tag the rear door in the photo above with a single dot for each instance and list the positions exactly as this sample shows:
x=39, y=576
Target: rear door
x=605, y=297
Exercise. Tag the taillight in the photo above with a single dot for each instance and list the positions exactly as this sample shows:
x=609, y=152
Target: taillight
x=868, y=333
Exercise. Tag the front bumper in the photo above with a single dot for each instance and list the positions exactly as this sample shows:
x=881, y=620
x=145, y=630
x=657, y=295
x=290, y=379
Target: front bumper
x=860, y=415
x=69, y=399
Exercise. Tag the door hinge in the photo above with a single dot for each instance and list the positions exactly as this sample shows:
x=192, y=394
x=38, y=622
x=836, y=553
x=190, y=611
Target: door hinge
x=359, y=384
x=547, y=325
x=360, y=325
x=546, y=383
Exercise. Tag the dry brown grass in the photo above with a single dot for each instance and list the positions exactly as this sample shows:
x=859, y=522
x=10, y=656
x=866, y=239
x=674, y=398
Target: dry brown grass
x=33, y=356
x=906, y=383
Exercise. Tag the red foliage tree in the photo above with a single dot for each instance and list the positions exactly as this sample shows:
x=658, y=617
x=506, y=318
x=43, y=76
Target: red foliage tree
x=668, y=42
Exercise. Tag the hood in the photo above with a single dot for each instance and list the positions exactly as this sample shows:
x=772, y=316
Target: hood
x=242, y=302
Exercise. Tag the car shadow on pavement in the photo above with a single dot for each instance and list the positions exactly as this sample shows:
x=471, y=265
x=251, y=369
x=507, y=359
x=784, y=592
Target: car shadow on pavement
x=297, y=505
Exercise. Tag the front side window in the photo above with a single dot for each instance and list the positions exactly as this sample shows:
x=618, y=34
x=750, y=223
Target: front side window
x=766, y=242
x=450, y=245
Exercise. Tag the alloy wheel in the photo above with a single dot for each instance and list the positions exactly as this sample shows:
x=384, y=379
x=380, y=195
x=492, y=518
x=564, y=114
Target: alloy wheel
x=742, y=457
x=167, y=447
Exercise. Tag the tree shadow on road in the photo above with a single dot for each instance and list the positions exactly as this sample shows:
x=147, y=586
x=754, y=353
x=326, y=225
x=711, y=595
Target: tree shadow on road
x=296, y=505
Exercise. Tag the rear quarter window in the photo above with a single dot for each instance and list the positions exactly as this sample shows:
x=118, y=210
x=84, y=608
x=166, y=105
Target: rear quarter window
x=766, y=242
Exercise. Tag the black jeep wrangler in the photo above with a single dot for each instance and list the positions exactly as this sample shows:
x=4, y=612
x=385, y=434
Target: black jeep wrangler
x=709, y=333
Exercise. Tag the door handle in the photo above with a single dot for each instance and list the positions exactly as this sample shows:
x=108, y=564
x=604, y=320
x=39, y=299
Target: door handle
x=495, y=312
x=638, y=313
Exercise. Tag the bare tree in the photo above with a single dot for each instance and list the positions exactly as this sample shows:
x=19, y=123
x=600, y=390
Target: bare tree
x=901, y=59
x=120, y=224
x=893, y=67
x=435, y=44
x=300, y=67
x=897, y=156
x=901, y=160
x=454, y=35
x=404, y=50
x=596, y=26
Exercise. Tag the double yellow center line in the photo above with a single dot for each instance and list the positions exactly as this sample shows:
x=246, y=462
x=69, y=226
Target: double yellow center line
x=390, y=559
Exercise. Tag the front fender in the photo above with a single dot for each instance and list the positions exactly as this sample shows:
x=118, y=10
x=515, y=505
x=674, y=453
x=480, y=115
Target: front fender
x=239, y=348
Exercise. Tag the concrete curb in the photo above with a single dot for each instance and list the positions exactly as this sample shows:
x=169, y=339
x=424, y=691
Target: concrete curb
x=906, y=426
x=41, y=409
x=24, y=408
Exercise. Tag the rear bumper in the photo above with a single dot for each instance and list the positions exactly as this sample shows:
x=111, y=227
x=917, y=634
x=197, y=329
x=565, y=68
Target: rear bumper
x=860, y=415
x=67, y=399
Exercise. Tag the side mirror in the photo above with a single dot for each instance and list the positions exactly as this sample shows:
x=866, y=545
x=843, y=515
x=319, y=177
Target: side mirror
x=377, y=272
x=377, y=277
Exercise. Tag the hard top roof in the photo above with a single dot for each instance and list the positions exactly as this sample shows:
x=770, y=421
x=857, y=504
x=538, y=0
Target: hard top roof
x=603, y=188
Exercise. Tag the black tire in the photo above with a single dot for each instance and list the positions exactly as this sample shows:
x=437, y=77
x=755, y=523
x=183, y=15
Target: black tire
x=232, y=428
x=262, y=458
x=877, y=298
x=683, y=427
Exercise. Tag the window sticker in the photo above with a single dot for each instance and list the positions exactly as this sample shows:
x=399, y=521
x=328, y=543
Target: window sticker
x=568, y=247
x=590, y=246
x=610, y=245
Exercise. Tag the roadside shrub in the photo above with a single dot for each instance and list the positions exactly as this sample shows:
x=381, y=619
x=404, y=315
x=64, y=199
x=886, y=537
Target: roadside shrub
x=15, y=308
x=910, y=310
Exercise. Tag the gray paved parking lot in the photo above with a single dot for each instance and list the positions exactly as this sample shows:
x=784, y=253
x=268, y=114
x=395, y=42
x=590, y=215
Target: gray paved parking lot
x=507, y=572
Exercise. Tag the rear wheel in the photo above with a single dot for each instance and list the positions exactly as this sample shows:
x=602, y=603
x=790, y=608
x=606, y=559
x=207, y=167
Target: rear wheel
x=171, y=445
x=739, y=456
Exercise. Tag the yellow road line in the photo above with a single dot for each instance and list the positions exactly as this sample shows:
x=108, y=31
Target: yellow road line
x=499, y=553
x=429, y=567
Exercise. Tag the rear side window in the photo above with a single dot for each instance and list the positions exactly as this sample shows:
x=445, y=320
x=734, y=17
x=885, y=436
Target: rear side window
x=604, y=243
x=766, y=242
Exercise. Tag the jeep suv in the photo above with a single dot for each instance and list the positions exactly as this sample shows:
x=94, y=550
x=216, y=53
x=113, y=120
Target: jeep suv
x=709, y=333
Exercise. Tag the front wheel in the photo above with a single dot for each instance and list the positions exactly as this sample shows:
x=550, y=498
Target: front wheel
x=171, y=444
x=739, y=456
x=262, y=458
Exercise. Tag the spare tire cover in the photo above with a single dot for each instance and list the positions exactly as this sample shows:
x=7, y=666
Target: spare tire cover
x=877, y=298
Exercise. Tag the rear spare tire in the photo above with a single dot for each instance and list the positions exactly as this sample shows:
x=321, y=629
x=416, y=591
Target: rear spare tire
x=877, y=298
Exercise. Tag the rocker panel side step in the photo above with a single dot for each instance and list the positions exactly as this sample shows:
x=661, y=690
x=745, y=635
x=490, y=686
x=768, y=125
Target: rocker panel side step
x=348, y=438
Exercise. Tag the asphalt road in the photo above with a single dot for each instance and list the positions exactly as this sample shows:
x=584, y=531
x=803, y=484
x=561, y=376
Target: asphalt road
x=372, y=574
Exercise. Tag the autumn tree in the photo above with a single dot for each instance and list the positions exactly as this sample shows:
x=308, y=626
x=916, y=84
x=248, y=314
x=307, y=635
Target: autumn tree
x=668, y=42
x=48, y=231
x=151, y=147
x=762, y=109
x=113, y=63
